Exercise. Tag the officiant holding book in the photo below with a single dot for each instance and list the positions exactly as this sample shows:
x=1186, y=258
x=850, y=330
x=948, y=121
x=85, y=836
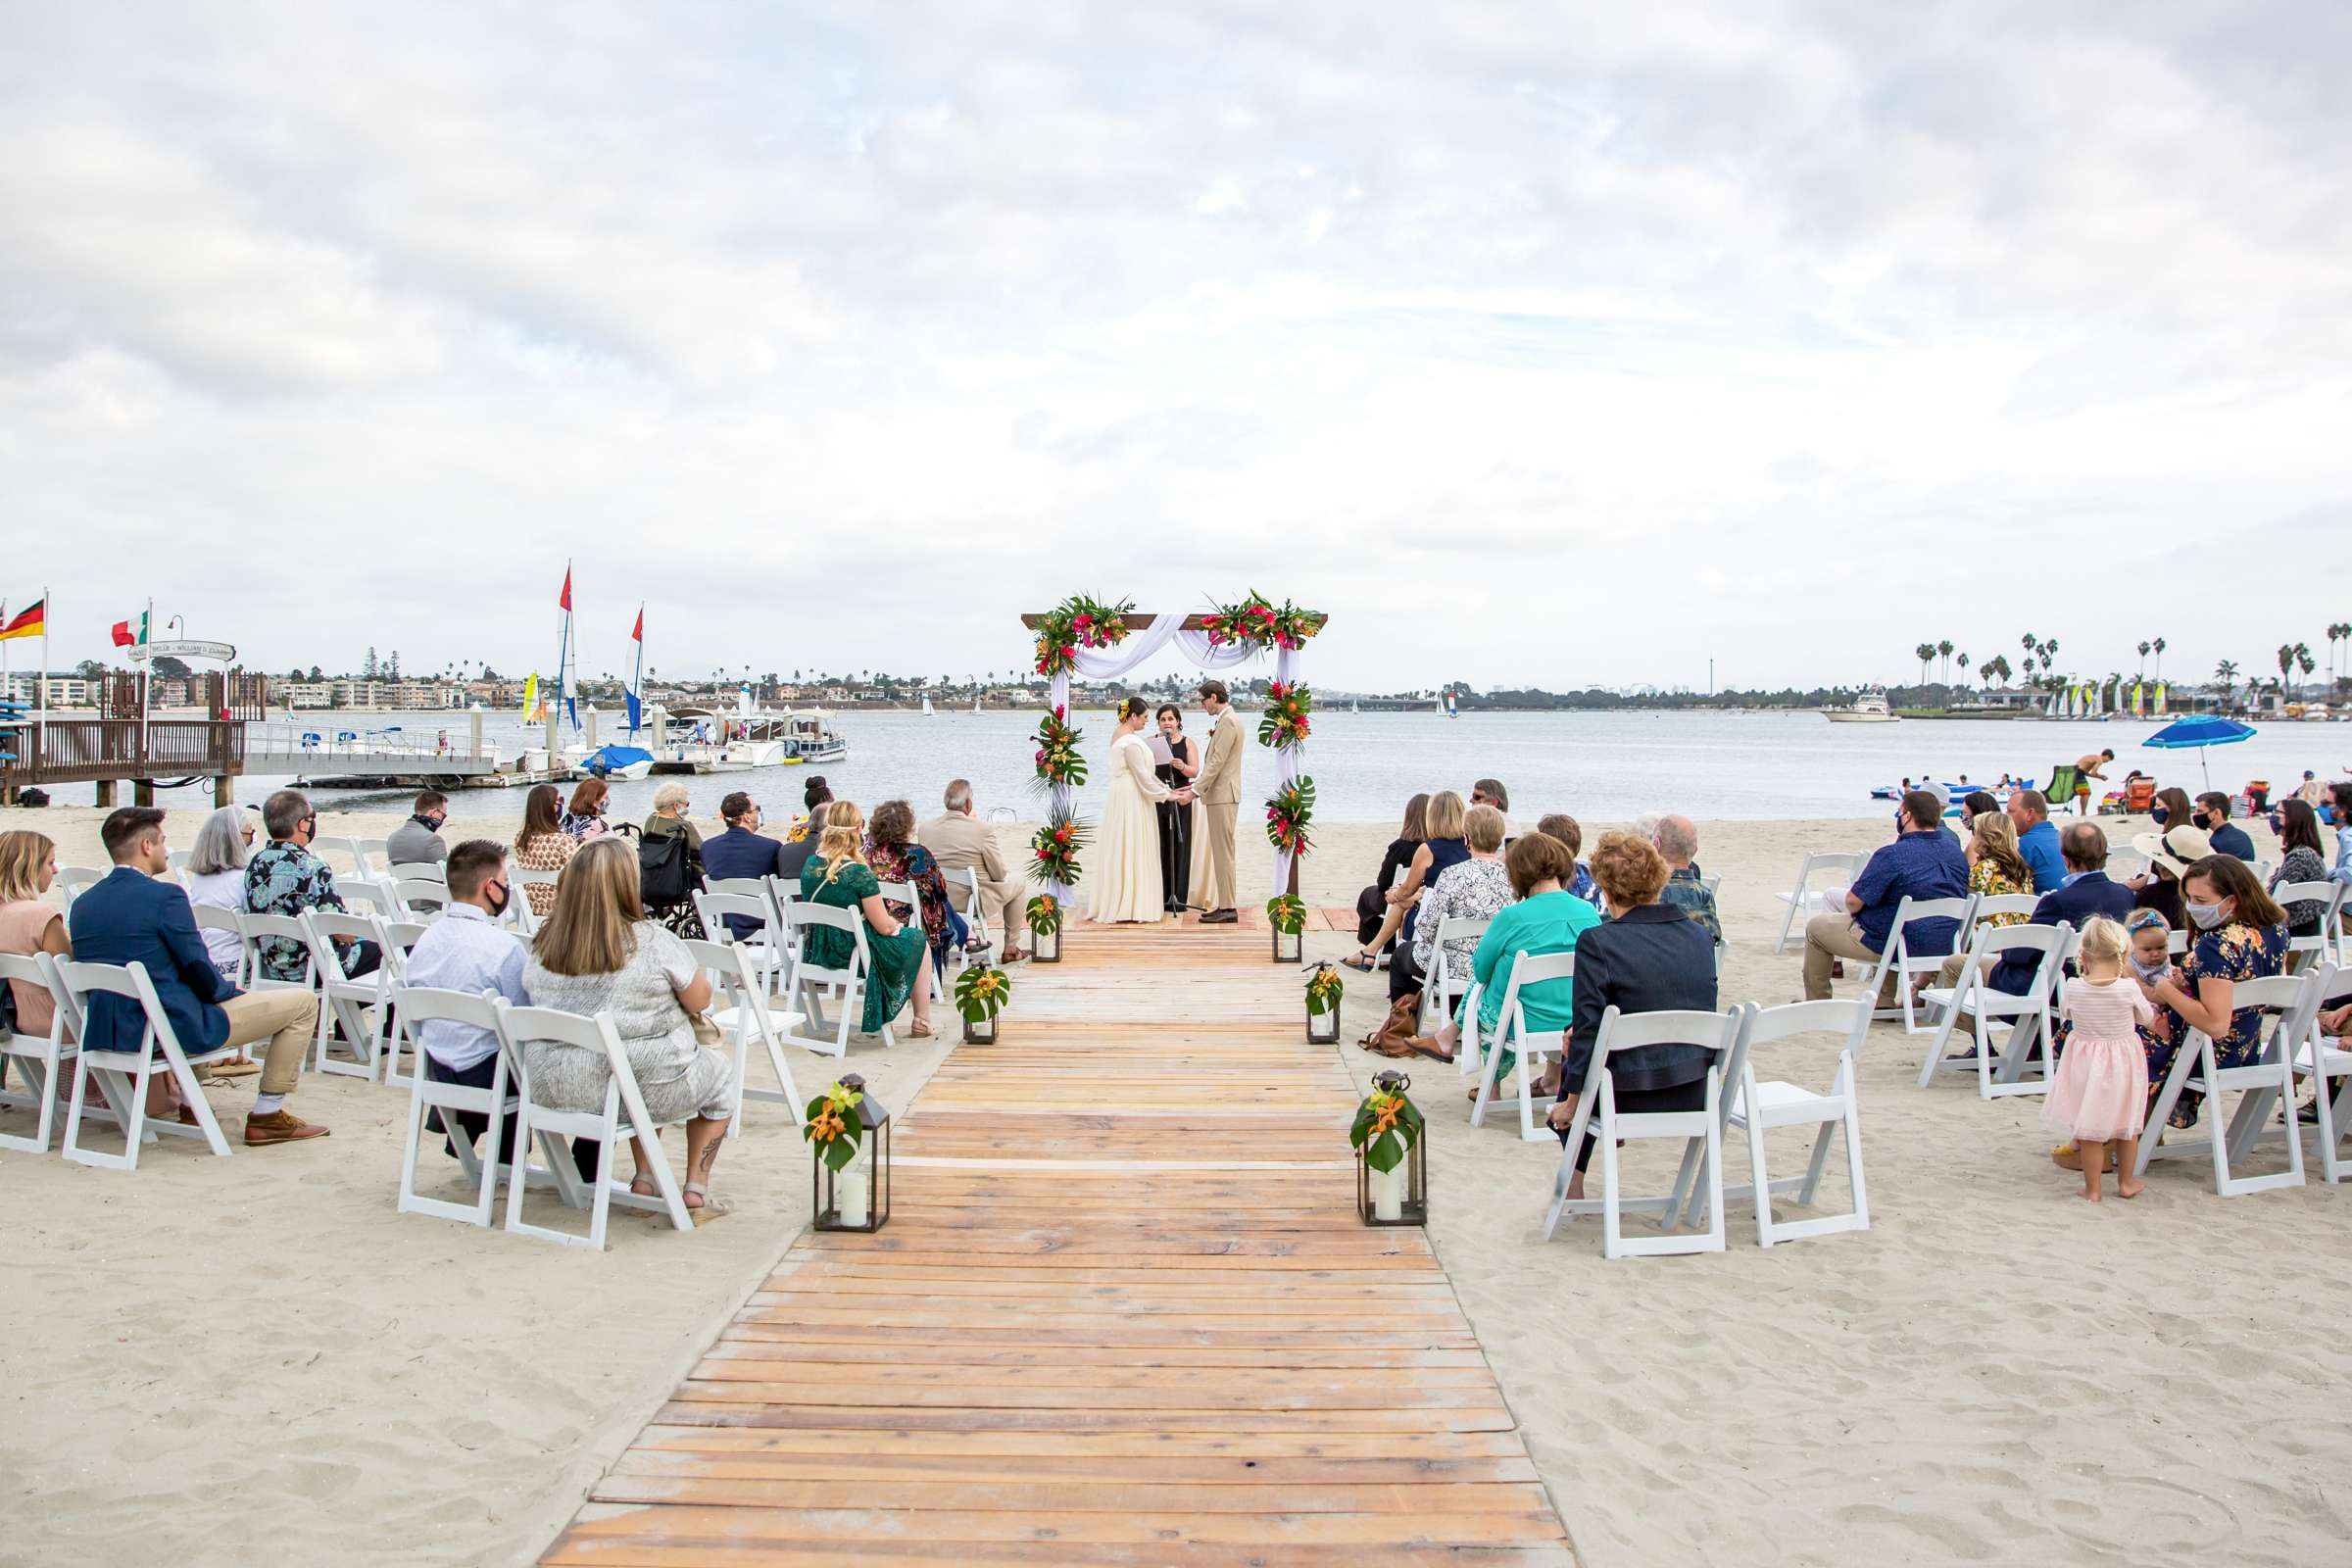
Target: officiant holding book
x=1176, y=763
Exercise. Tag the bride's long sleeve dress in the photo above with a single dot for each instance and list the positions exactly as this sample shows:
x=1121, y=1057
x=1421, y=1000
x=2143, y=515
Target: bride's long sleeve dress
x=1122, y=873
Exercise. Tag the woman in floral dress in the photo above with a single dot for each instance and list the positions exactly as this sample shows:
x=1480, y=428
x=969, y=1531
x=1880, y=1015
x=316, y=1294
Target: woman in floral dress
x=543, y=844
x=2241, y=935
x=891, y=850
x=1994, y=867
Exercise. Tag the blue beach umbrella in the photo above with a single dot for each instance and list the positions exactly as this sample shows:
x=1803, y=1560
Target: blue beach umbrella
x=2198, y=732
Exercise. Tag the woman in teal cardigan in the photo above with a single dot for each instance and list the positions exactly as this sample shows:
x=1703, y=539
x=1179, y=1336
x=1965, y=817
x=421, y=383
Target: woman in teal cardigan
x=1542, y=918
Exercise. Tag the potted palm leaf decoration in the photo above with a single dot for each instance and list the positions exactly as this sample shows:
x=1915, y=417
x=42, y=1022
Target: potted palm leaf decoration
x=1324, y=988
x=1045, y=929
x=980, y=995
x=848, y=1133
x=1285, y=916
x=1392, y=1174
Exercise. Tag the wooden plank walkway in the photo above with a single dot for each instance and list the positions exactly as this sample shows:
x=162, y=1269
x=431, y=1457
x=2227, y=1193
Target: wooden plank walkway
x=1147, y=1329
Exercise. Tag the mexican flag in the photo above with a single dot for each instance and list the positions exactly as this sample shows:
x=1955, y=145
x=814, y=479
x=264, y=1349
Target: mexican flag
x=131, y=633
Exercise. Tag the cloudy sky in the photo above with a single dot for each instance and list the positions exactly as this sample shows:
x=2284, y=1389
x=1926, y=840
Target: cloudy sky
x=1560, y=344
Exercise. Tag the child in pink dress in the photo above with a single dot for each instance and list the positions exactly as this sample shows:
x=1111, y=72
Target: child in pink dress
x=2100, y=1094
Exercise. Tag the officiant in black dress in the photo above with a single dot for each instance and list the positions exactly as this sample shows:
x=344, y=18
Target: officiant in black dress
x=1176, y=762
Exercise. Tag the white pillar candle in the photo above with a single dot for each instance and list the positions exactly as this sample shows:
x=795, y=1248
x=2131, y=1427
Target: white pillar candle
x=1388, y=1192
x=849, y=1188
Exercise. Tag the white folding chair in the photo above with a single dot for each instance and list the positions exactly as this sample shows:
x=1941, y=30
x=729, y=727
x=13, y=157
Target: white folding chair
x=257, y=929
x=2320, y=1060
x=526, y=922
x=210, y=917
x=71, y=880
x=1597, y=1114
x=621, y=1118
x=2124, y=863
x=124, y=1075
x=2264, y=1084
x=964, y=894
x=1991, y=905
x=399, y=938
x=910, y=894
x=416, y=895
x=810, y=980
x=1903, y=960
x=368, y=897
x=38, y=1058
x=2027, y=1016
x=746, y=898
x=745, y=1016
x=1828, y=867
x=1443, y=990
x=2320, y=946
x=1758, y=1108
x=344, y=1001
x=373, y=857
x=422, y=1005
x=1511, y=1030
x=179, y=859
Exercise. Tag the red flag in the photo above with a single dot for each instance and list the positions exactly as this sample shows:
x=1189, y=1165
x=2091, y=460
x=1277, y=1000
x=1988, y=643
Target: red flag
x=122, y=636
x=564, y=603
x=638, y=635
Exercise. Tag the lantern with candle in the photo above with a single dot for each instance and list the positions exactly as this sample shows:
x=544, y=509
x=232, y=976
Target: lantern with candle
x=848, y=1133
x=1392, y=1173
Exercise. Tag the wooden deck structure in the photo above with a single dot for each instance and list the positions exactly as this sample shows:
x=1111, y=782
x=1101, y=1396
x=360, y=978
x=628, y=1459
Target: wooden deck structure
x=1123, y=1312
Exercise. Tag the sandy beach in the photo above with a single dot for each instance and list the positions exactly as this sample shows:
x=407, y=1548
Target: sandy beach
x=257, y=1361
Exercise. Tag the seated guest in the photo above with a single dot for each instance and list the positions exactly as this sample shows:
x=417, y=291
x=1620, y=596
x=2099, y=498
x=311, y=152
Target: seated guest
x=1650, y=958
x=1489, y=792
x=1445, y=847
x=838, y=878
x=2086, y=893
x=137, y=916
x=1544, y=918
x=31, y=925
x=215, y=880
x=2171, y=809
x=667, y=821
x=2036, y=838
x=2299, y=837
x=1976, y=805
x=1922, y=862
x=2239, y=934
x=1677, y=840
x=1372, y=904
x=2213, y=815
x=2170, y=856
x=2341, y=871
x=1473, y=890
x=1997, y=870
x=893, y=856
x=598, y=953
x=741, y=852
x=285, y=878
x=960, y=842
x=814, y=797
x=465, y=950
x=542, y=845
x=669, y=816
x=1571, y=835
x=417, y=841
x=584, y=818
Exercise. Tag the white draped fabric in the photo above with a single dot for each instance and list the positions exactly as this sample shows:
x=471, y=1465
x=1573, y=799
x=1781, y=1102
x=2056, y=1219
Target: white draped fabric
x=1109, y=664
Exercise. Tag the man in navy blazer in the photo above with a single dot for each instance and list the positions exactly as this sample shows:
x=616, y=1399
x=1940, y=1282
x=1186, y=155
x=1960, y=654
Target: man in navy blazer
x=137, y=916
x=2085, y=894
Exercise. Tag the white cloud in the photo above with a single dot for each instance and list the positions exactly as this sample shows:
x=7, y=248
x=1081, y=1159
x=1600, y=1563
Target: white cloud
x=1557, y=346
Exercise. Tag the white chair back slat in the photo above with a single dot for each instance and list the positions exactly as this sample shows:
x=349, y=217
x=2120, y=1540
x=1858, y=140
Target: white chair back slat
x=1530, y=1045
x=1815, y=873
x=2026, y=1015
x=2291, y=1002
x=1442, y=987
x=1757, y=1106
x=73, y=880
x=126, y=1074
x=811, y=981
x=1596, y=1102
x=1902, y=960
x=39, y=1059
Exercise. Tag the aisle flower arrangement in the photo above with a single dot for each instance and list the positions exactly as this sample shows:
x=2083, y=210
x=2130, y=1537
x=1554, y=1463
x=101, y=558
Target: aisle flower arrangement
x=1078, y=622
x=1053, y=851
x=1289, y=812
x=834, y=1125
x=980, y=995
x=1286, y=912
x=1060, y=761
x=1387, y=1124
x=1285, y=720
x=1258, y=623
x=1045, y=914
x=1324, y=988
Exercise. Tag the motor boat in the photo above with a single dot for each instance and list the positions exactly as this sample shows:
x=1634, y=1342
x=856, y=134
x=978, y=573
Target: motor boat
x=1868, y=708
x=615, y=761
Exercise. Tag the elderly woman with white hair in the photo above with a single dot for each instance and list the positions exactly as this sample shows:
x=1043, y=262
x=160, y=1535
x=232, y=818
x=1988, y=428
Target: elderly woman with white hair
x=215, y=879
x=669, y=821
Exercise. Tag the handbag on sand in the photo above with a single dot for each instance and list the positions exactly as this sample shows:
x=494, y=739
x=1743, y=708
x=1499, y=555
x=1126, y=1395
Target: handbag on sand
x=1396, y=1034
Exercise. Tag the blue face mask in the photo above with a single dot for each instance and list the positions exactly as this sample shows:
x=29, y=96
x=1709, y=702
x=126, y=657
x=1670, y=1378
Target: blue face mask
x=2157, y=815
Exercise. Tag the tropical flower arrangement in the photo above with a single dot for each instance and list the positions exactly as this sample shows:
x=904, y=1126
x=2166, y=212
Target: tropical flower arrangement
x=1053, y=856
x=1323, y=991
x=980, y=993
x=1287, y=914
x=834, y=1124
x=1288, y=813
x=1060, y=761
x=1045, y=913
x=1259, y=624
x=1285, y=721
x=1078, y=622
x=1387, y=1126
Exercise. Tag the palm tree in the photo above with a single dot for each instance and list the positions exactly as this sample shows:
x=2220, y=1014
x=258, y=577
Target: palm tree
x=2158, y=645
x=2225, y=673
x=2287, y=660
x=2049, y=655
x=1923, y=652
x=1943, y=650
x=2144, y=645
x=1963, y=663
x=2303, y=660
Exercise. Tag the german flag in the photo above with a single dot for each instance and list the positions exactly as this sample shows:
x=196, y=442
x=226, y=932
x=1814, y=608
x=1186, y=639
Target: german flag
x=31, y=622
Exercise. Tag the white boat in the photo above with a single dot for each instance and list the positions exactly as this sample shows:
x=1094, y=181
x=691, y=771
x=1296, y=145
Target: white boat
x=928, y=711
x=813, y=739
x=720, y=741
x=1868, y=708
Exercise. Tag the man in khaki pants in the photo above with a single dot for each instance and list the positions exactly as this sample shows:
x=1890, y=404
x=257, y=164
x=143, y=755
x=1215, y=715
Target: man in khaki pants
x=1219, y=790
x=960, y=842
x=137, y=915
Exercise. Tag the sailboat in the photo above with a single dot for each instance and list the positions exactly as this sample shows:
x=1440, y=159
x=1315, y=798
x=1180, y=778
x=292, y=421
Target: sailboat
x=1451, y=711
x=563, y=702
x=928, y=711
x=629, y=760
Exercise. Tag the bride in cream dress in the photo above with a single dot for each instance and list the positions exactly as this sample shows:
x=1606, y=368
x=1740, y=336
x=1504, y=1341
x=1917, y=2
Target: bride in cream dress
x=1124, y=866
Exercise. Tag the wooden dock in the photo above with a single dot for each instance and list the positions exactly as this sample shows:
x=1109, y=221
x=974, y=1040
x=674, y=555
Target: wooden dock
x=1123, y=1312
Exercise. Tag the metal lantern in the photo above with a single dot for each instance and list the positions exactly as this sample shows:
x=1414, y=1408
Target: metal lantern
x=1045, y=946
x=981, y=1031
x=856, y=1197
x=1322, y=1028
x=1400, y=1196
x=1289, y=948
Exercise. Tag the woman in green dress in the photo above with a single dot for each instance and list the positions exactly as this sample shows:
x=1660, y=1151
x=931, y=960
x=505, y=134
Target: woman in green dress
x=838, y=878
x=1544, y=917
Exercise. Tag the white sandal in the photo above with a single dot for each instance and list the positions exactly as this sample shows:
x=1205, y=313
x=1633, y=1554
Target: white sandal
x=710, y=1209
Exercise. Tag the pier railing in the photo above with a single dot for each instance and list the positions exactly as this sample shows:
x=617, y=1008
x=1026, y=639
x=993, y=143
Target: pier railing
x=83, y=750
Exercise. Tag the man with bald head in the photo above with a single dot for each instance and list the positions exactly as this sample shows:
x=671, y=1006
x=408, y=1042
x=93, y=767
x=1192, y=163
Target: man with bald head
x=1677, y=839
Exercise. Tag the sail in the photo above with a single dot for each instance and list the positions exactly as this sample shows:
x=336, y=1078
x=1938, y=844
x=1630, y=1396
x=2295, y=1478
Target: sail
x=2160, y=707
x=530, y=699
x=631, y=694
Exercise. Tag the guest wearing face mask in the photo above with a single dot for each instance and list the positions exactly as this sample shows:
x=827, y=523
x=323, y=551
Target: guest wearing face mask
x=2240, y=934
x=2170, y=808
x=2212, y=814
x=2170, y=856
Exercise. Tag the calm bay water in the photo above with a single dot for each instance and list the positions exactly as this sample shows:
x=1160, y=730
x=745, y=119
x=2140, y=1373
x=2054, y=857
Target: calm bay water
x=1601, y=767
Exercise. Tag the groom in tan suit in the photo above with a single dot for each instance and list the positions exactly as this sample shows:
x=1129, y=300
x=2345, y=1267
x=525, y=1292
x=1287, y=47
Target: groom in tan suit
x=1219, y=790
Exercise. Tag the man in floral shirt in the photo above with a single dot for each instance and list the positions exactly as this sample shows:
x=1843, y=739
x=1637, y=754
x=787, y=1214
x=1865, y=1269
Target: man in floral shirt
x=287, y=878
x=1677, y=839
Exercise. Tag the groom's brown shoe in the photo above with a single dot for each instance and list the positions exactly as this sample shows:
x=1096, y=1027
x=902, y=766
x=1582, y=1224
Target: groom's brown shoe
x=1220, y=918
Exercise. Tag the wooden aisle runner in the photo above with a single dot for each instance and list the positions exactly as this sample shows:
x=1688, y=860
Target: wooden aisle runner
x=1123, y=1312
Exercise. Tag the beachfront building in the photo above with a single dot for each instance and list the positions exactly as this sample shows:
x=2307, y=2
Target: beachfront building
x=65, y=691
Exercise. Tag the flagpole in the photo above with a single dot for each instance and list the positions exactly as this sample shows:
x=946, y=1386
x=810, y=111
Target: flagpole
x=146, y=626
x=43, y=710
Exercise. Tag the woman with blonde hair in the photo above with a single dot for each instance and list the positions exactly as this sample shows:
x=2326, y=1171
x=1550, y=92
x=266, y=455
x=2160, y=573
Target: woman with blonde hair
x=1995, y=868
x=1442, y=819
x=542, y=845
x=28, y=922
x=597, y=953
x=838, y=876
